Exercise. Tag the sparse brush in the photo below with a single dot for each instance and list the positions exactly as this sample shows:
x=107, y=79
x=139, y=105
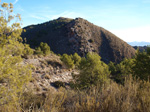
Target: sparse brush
x=133, y=96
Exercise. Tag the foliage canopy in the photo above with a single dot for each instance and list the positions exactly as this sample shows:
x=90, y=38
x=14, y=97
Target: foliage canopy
x=13, y=74
x=92, y=71
x=43, y=49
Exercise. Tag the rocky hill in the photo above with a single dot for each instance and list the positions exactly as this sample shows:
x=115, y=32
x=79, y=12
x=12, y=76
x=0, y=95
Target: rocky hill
x=66, y=35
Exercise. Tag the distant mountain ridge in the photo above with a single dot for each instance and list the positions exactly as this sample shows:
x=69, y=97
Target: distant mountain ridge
x=66, y=35
x=139, y=43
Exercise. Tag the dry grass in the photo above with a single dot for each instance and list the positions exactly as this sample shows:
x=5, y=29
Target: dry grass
x=133, y=96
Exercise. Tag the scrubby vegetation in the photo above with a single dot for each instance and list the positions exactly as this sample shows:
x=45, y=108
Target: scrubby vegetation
x=71, y=61
x=67, y=60
x=92, y=71
x=133, y=96
x=13, y=74
x=43, y=49
x=142, y=64
x=97, y=87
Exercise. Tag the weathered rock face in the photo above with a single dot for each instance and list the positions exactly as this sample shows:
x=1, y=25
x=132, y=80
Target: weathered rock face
x=78, y=35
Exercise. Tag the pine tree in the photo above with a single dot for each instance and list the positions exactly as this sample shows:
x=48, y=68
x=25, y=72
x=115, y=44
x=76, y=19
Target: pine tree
x=68, y=60
x=43, y=49
x=13, y=74
x=92, y=71
x=141, y=68
x=77, y=59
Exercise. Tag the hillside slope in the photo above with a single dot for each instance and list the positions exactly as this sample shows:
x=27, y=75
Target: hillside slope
x=66, y=35
x=47, y=71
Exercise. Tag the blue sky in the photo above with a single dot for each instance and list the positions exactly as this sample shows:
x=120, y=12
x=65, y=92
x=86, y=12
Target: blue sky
x=128, y=19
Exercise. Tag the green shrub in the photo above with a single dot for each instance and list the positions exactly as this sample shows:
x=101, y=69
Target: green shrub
x=141, y=68
x=92, y=71
x=43, y=49
x=38, y=51
x=121, y=70
x=67, y=60
x=112, y=68
x=27, y=50
x=77, y=59
x=71, y=60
